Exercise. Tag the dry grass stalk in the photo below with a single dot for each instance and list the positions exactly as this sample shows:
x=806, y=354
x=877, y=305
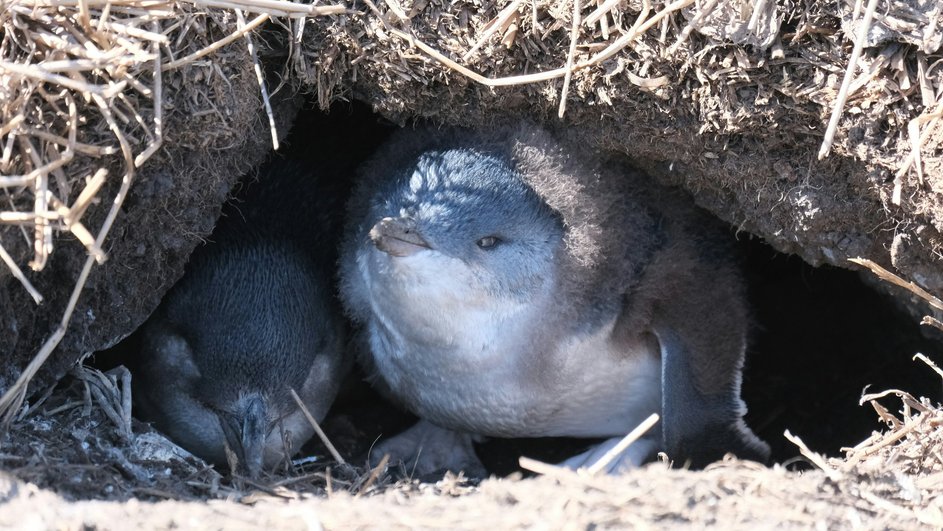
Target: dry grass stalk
x=374, y=474
x=624, y=443
x=929, y=363
x=240, y=24
x=758, y=8
x=317, y=428
x=600, y=12
x=570, y=57
x=917, y=140
x=499, y=23
x=275, y=7
x=839, y=105
x=699, y=17
x=18, y=274
x=583, y=474
x=547, y=469
x=245, y=29
x=814, y=458
x=642, y=25
x=114, y=401
x=887, y=276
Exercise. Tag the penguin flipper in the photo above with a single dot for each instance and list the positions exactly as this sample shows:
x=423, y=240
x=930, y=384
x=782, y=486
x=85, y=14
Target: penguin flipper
x=700, y=426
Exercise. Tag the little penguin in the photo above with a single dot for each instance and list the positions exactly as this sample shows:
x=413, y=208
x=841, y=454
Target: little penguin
x=254, y=316
x=510, y=284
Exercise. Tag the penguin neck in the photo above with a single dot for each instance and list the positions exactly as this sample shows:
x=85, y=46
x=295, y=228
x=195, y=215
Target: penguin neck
x=422, y=316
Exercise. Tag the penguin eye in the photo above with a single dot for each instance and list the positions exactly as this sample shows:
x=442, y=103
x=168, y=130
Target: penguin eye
x=488, y=242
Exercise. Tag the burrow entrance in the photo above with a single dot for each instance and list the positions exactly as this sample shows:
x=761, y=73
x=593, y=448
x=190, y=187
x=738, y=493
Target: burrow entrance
x=820, y=337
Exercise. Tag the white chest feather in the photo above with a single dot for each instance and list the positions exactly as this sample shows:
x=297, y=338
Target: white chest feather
x=496, y=366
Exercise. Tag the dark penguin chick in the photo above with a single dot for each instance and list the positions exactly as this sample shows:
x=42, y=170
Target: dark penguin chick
x=505, y=287
x=254, y=316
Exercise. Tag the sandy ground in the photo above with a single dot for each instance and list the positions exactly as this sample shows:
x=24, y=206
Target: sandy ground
x=729, y=496
x=67, y=464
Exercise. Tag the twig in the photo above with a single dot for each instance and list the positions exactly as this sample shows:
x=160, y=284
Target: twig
x=885, y=441
x=85, y=149
x=637, y=29
x=275, y=7
x=86, y=196
x=42, y=239
x=397, y=10
x=839, y=105
x=18, y=274
x=929, y=363
x=494, y=26
x=158, y=98
x=475, y=76
x=603, y=23
x=758, y=10
x=910, y=159
x=916, y=140
x=256, y=22
x=930, y=321
x=571, y=54
x=317, y=428
x=815, y=458
x=374, y=474
x=605, y=54
x=701, y=14
x=73, y=225
x=601, y=11
x=624, y=443
x=37, y=72
x=908, y=400
x=887, y=276
x=271, y=7
x=240, y=23
x=29, y=179
x=11, y=125
x=546, y=469
x=106, y=395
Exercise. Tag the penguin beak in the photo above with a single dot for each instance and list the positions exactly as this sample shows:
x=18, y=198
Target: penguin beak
x=398, y=237
x=245, y=434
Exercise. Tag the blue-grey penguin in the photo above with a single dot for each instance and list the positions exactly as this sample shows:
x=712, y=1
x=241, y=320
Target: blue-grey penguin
x=507, y=285
x=254, y=316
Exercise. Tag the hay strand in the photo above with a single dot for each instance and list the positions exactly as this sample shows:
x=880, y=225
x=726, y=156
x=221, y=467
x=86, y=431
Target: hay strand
x=839, y=105
x=570, y=57
x=234, y=36
x=317, y=428
x=496, y=24
x=623, y=443
x=887, y=276
x=241, y=23
x=18, y=274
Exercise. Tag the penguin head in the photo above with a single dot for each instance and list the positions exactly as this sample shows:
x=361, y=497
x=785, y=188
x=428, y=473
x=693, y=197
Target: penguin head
x=465, y=215
x=224, y=419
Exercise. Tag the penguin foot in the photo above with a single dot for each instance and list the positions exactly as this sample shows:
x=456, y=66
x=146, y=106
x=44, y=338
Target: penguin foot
x=426, y=451
x=632, y=457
